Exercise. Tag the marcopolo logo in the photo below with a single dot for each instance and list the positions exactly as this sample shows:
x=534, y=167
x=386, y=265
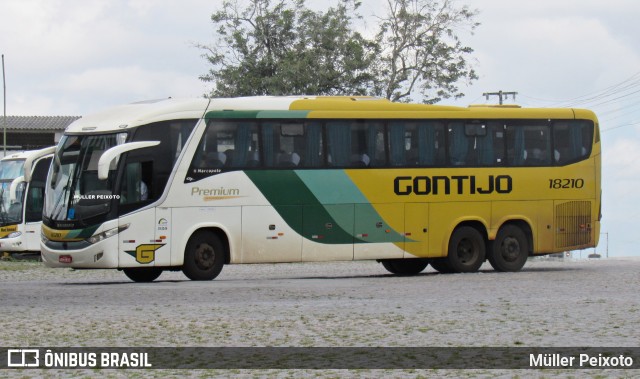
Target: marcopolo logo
x=447, y=185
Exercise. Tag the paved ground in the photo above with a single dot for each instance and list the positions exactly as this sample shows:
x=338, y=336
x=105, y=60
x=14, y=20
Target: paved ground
x=549, y=303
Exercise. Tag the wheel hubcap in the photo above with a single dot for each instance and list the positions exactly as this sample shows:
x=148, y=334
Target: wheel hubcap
x=205, y=256
x=510, y=249
x=466, y=251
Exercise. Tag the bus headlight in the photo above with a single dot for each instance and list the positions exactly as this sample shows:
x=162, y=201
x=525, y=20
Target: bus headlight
x=107, y=233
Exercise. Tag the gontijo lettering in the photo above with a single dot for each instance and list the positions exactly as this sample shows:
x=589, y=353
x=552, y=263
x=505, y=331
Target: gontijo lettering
x=459, y=184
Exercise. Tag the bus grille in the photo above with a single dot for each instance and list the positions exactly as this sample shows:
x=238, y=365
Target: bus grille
x=573, y=222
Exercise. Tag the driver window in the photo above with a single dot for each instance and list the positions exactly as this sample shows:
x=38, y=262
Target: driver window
x=135, y=187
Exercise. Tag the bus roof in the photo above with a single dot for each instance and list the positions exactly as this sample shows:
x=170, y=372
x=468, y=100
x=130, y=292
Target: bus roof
x=140, y=113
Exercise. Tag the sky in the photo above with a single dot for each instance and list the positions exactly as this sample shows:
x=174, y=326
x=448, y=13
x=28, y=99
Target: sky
x=75, y=57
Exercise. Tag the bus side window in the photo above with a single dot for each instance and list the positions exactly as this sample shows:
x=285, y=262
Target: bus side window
x=289, y=144
x=338, y=143
x=572, y=141
x=367, y=144
x=458, y=144
x=137, y=184
x=528, y=145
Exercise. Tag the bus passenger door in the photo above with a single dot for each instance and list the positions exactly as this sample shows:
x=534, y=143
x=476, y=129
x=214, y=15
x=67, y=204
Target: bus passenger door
x=138, y=243
x=328, y=232
x=379, y=231
x=416, y=230
x=269, y=235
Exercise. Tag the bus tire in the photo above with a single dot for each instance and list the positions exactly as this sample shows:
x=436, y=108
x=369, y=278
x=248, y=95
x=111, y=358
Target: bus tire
x=466, y=250
x=510, y=250
x=405, y=267
x=203, y=256
x=441, y=265
x=142, y=274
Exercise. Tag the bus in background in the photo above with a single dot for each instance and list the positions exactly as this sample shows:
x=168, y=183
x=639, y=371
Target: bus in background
x=22, y=182
x=193, y=185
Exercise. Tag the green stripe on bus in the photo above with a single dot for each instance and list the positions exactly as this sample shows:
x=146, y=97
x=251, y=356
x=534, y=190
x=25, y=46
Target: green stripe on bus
x=287, y=192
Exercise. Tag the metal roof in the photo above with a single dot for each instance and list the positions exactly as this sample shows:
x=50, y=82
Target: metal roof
x=38, y=123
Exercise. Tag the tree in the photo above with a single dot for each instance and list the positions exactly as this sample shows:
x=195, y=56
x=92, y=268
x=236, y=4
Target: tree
x=421, y=51
x=283, y=48
x=280, y=47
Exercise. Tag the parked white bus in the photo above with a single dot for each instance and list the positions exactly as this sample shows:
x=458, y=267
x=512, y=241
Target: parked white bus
x=192, y=185
x=22, y=182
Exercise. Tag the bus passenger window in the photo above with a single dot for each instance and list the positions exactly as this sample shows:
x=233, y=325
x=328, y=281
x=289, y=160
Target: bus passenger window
x=458, y=144
x=528, y=145
x=338, y=143
x=290, y=144
x=228, y=145
x=416, y=143
x=572, y=141
x=367, y=144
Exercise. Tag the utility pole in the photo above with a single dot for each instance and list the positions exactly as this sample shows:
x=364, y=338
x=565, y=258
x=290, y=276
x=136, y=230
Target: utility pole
x=500, y=95
x=4, y=117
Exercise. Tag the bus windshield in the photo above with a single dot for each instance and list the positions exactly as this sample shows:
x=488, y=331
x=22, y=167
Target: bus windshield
x=74, y=191
x=10, y=212
x=11, y=168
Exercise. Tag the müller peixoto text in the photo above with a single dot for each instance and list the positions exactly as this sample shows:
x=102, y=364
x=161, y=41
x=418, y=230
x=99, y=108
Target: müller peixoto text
x=580, y=360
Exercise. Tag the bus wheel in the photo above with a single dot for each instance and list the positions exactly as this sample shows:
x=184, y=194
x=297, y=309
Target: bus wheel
x=142, y=275
x=510, y=249
x=203, y=257
x=405, y=267
x=441, y=265
x=466, y=250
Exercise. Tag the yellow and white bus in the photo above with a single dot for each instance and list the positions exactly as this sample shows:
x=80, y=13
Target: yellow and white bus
x=193, y=185
x=22, y=181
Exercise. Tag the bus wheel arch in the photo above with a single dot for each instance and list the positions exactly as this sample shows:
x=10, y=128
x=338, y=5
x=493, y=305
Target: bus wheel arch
x=466, y=249
x=512, y=246
x=206, y=252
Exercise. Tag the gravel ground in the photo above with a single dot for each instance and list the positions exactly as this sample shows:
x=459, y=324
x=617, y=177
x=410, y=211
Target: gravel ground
x=549, y=303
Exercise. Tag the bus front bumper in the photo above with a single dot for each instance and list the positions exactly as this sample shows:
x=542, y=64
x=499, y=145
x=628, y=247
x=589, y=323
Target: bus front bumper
x=103, y=254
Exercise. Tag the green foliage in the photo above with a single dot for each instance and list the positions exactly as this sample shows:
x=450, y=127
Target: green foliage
x=421, y=51
x=287, y=49
x=280, y=47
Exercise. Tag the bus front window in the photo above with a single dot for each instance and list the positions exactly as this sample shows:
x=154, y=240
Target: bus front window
x=10, y=212
x=75, y=193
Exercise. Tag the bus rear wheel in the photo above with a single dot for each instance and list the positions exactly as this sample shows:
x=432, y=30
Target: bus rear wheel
x=204, y=256
x=510, y=250
x=405, y=267
x=466, y=250
x=142, y=274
